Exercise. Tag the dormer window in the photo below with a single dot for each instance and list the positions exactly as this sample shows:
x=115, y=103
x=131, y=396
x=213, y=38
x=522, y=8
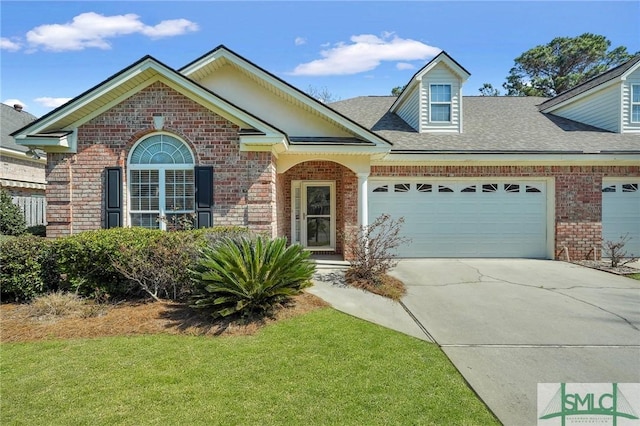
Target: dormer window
x=440, y=105
x=635, y=103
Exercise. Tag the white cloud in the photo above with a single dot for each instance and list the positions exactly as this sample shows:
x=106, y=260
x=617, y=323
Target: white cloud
x=170, y=28
x=12, y=102
x=405, y=66
x=91, y=29
x=52, y=102
x=299, y=41
x=7, y=44
x=365, y=53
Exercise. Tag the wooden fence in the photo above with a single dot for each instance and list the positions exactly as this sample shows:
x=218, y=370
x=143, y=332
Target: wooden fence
x=33, y=208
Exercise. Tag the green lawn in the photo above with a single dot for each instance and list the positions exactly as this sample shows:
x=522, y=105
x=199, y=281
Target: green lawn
x=634, y=276
x=321, y=368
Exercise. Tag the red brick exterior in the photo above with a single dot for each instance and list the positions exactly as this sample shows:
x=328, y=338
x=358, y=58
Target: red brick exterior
x=244, y=182
x=578, y=196
x=249, y=192
x=346, y=195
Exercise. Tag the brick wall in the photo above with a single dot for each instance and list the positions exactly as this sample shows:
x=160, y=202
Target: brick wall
x=578, y=197
x=346, y=195
x=76, y=180
x=21, y=169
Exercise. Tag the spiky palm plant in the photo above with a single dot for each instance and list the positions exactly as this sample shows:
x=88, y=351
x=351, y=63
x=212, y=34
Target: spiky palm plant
x=249, y=277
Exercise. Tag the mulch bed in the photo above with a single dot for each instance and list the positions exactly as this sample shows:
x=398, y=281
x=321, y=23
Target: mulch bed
x=604, y=265
x=18, y=325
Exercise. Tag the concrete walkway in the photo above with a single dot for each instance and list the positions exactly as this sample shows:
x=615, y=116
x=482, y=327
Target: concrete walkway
x=508, y=325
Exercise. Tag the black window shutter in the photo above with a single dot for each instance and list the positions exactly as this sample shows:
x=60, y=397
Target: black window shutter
x=204, y=196
x=113, y=197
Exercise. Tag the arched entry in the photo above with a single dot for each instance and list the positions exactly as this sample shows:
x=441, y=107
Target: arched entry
x=319, y=204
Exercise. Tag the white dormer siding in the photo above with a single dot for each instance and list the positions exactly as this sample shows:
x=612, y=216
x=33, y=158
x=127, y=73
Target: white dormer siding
x=630, y=122
x=440, y=75
x=409, y=110
x=600, y=109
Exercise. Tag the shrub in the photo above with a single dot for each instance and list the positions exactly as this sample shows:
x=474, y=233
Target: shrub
x=11, y=217
x=28, y=268
x=125, y=263
x=86, y=260
x=37, y=230
x=615, y=252
x=249, y=277
x=373, y=248
x=161, y=266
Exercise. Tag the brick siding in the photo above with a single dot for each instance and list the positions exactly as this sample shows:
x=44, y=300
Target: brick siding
x=578, y=196
x=346, y=195
x=244, y=182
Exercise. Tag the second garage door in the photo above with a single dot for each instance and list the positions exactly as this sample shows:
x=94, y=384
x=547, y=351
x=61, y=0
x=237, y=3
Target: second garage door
x=492, y=218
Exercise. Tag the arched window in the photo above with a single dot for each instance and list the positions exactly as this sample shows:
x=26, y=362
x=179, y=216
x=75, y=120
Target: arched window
x=161, y=183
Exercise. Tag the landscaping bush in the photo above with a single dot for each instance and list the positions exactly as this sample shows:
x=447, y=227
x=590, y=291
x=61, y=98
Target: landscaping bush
x=37, y=230
x=616, y=253
x=86, y=260
x=125, y=263
x=28, y=268
x=11, y=217
x=161, y=266
x=373, y=248
x=249, y=277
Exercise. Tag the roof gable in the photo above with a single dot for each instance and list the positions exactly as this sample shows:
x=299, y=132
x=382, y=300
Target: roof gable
x=612, y=76
x=130, y=80
x=217, y=59
x=444, y=58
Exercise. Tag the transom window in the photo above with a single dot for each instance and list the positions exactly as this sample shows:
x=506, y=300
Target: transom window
x=161, y=183
x=440, y=105
x=635, y=103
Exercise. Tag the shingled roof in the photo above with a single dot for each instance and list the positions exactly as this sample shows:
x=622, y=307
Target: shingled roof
x=491, y=124
x=590, y=84
x=13, y=119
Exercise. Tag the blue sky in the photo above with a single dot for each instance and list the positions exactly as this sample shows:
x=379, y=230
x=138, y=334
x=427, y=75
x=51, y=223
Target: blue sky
x=52, y=51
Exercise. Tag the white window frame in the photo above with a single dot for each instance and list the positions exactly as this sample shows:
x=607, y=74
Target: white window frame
x=432, y=102
x=162, y=169
x=635, y=89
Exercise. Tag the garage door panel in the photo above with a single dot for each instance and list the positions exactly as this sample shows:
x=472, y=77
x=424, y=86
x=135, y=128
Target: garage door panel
x=467, y=219
x=621, y=212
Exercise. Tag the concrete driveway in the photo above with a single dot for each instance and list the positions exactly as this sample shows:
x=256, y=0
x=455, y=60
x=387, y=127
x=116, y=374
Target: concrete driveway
x=508, y=325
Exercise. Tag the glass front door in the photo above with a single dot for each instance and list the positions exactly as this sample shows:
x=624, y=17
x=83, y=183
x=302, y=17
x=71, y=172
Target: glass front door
x=318, y=224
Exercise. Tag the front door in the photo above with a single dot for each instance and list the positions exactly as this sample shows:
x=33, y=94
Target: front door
x=318, y=216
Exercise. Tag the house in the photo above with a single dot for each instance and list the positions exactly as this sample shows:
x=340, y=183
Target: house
x=231, y=143
x=22, y=175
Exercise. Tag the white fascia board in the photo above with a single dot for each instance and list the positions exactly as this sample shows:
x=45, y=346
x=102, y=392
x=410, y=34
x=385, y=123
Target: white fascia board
x=414, y=84
x=67, y=143
x=464, y=76
x=473, y=159
x=324, y=111
x=340, y=149
x=582, y=95
x=263, y=144
x=222, y=108
x=20, y=155
x=90, y=97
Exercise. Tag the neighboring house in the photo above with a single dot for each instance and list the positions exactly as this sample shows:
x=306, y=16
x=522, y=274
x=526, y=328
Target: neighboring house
x=22, y=175
x=235, y=145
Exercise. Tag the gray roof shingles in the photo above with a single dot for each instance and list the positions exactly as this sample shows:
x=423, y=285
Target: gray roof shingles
x=590, y=84
x=11, y=120
x=490, y=124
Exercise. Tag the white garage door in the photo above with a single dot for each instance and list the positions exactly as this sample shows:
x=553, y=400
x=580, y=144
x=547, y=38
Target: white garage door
x=621, y=213
x=489, y=218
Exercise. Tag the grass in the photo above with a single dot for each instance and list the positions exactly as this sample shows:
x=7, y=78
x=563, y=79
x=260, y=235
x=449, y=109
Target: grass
x=634, y=276
x=320, y=368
